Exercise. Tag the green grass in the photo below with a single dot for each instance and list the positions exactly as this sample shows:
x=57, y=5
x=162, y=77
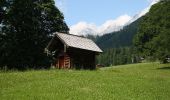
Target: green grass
x=146, y=81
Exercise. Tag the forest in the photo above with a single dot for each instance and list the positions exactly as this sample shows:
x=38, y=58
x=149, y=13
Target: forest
x=26, y=29
x=146, y=39
x=27, y=26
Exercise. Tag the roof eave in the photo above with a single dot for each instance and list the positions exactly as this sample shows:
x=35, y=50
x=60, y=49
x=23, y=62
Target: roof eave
x=61, y=40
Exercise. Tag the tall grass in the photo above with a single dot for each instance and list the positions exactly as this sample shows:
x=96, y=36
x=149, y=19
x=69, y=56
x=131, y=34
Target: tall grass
x=145, y=81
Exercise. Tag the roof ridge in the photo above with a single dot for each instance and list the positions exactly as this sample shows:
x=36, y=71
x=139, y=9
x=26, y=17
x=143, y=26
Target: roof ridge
x=72, y=35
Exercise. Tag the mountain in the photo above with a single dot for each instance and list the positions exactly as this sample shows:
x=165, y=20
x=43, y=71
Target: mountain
x=110, y=25
x=84, y=28
x=117, y=46
x=122, y=38
x=153, y=37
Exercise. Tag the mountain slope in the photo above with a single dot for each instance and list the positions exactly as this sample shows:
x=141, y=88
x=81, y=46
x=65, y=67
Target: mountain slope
x=122, y=38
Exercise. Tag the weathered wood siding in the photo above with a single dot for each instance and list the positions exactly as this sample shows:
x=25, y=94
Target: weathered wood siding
x=72, y=57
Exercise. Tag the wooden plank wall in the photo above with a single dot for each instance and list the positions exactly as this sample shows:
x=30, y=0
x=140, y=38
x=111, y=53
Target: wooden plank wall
x=66, y=61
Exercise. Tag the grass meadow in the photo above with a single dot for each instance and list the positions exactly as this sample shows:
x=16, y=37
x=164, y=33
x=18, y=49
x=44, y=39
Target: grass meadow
x=145, y=81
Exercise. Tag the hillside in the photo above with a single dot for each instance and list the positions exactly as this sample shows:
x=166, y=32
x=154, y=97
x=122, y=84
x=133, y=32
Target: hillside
x=122, y=38
x=117, y=46
x=151, y=42
x=153, y=37
x=146, y=81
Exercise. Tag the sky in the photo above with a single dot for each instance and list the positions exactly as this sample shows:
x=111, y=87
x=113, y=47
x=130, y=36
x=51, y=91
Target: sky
x=101, y=16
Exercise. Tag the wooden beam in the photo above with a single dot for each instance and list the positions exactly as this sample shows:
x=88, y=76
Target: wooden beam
x=65, y=48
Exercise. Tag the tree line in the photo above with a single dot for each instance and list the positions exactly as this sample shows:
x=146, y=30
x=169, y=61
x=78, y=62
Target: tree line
x=118, y=56
x=26, y=27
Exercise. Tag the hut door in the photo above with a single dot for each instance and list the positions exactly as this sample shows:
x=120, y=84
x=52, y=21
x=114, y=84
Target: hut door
x=61, y=62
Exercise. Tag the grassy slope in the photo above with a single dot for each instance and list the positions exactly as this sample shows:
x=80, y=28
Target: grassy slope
x=148, y=81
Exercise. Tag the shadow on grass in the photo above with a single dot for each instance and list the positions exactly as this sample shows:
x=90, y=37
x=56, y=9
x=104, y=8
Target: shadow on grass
x=165, y=68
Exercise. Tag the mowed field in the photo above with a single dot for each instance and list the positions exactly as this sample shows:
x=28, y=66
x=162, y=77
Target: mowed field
x=145, y=81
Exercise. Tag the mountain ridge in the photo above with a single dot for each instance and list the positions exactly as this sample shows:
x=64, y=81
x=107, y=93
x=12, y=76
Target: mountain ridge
x=122, y=38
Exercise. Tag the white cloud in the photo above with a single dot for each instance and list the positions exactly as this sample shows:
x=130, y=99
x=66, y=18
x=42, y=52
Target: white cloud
x=152, y=2
x=114, y=25
x=144, y=11
x=84, y=28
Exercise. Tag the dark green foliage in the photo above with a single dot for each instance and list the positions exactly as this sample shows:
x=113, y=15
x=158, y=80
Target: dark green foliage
x=153, y=37
x=117, y=56
x=27, y=26
x=117, y=46
x=3, y=4
x=118, y=39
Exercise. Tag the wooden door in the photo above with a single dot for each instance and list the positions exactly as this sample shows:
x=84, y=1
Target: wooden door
x=61, y=62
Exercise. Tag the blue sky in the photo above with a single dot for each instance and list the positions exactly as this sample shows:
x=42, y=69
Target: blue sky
x=98, y=11
x=101, y=16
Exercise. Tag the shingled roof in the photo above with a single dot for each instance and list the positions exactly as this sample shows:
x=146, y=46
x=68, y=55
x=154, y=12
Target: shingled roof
x=78, y=42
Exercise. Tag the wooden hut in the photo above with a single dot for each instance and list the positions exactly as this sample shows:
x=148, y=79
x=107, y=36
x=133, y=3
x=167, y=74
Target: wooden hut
x=72, y=51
